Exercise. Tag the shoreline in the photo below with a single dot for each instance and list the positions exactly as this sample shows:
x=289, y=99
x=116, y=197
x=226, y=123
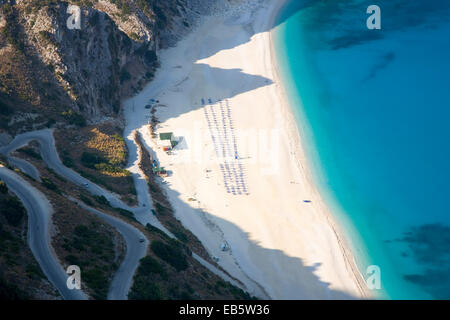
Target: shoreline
x=309, y=259
x=302, y=161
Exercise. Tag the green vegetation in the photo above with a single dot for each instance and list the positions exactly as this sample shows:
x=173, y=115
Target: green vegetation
x=110, y=145
x=127, y=214
x=12, y=209
x=99, y=154
x=3, y=187
x=57, y=176
x=104, y=202
x=86, y=200
x=96, y=179
x=66, y=159
x=166, y=274
x=95, y=161
x=172, y=253
x=153, y=229
x=90, y=160
x=74, y=118
x=34, y=271
x=124, y=76
x=93, y=250
x=5, y=110
x=50, y=123
x=101, y=200
x=111, y=169
x=20, y=275
x=220, y=286
x=178, y=232
x=49, y=184
x=150, y=265
x=9, y=291
x=123, y=6
x=97, y=280
x=134, y=36
x=161, y=210
x=144, y=290
x=30, y=152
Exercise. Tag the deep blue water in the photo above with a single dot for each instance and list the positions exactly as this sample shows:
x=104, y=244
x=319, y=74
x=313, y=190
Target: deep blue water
x=374, y=108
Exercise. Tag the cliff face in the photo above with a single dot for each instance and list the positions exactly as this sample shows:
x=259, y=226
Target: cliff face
x=50, y=73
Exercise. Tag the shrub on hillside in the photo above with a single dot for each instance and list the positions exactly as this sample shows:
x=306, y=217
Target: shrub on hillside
x=150, y=265
x=172, y=253
x=5, y=110
x=74, y=118
x=101, y=200
x=46, y=182
x=12, y=209
x=3, y=187
x=89, y=159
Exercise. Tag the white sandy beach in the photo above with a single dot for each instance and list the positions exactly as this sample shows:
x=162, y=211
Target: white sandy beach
x=280, y=246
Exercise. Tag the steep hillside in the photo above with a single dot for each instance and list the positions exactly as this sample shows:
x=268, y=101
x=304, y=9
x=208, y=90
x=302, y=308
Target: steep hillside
x=50, y=73
x=74, y=79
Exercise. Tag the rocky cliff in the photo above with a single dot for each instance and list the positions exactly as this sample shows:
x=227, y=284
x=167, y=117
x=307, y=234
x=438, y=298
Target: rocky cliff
x=52, y=72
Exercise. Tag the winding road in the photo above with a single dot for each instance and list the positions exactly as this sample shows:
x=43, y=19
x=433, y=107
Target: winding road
x=121, y=283
x=50, y=156
x=39, y=215
x=39, y=210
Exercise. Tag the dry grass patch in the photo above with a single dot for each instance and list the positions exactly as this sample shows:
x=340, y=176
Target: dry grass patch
x=99, y=154
x=112, y=146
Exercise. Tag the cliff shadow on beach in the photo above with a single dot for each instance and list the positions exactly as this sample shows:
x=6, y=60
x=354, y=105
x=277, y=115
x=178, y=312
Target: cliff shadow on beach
x=231, y=82
x=290, y=277
x=289, y=9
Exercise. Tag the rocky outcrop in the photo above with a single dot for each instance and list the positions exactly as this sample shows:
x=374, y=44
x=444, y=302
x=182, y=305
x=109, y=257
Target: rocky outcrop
x=91, y=69
x=55, y=70
x=112, y=54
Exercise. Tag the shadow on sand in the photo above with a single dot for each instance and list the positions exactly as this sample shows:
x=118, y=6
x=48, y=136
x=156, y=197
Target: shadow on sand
x=286, y=12
x=231, y=82
x=278, y=275
x=298, y=280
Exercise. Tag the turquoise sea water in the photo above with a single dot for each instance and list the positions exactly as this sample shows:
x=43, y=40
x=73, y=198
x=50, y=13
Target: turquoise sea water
x=374, y=109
